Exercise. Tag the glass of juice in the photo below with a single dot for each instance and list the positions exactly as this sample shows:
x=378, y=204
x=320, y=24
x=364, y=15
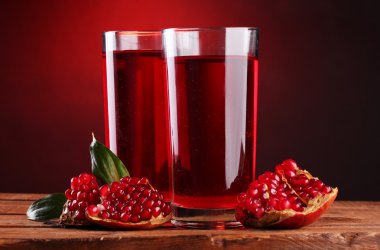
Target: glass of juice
x=212, y=96
x=135, y=103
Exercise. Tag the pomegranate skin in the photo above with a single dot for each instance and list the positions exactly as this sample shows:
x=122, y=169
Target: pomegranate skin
x=115, y=224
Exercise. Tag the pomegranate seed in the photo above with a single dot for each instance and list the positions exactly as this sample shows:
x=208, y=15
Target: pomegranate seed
x=148, y=203
x=259, y=212
x=104, y=215
x=166, y=210
x=290, y=173
x=115, y=216
x=119, y=193
x=143, y=180
x=92, y=210
x=146, y=214
x=81, y=196
x=318, y=184
x=125, y=179
x=125, y=217
x=125, y=197
x=135, y=218
x=156, y=211
x=104, y=191
x=136, y=209
x=290, y=164
x=126, y=209
x=147, y=192
x=133, y=181
x=74, y=183
x=82, y=205
x=85, y=178
x=326, y=189
x=111, y=209
x=157, y=203
x=135, y=195
x=68, y=194
x=141, y=200
x=253, y=193
x=284, y=204
x=114, y=187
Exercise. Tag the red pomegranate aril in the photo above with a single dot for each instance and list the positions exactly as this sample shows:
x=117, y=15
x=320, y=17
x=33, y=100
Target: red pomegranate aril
x=125, y=217
x=126, y=209
x=284, y=204
x=135, y=218
x=125, y=179
x=125, y=197
x=120, y=207
x=115, y=216
x=253, y=193
x=326, y=189
x=148, y=203
x=259, y=212
x=146, y=192
x=143, y=180
x=104, y=214
x=156, y=211
x=104, y=191
x=135, y=195
x=157, y=203
x=290, y=164
x=115, y=186
x=136, y=209
x=141, y=199
x=166, y=210
x=92, y=210
x=82, y=205
x=146, y=214
x=68, y=194
x=119, y=193
x=133, y=181
x=290, y=173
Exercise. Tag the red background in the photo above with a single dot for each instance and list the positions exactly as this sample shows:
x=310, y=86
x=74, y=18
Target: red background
x=318, y=84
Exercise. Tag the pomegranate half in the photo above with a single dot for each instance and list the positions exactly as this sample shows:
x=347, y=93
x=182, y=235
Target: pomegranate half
x=131, y=203
x=288, y=198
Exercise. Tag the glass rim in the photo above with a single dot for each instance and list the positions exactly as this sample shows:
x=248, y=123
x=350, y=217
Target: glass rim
x=133, y=32
x=210, y=29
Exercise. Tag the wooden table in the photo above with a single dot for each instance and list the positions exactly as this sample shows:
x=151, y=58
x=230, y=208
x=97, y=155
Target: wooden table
x=347, y=224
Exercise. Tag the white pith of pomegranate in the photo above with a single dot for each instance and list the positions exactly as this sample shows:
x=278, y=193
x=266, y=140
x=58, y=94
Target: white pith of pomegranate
x=83, y=192
x=130, y=203
x=288, y=198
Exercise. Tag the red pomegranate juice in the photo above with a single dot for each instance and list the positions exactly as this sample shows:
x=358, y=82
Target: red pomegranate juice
x=213, y=103
x=136, y=113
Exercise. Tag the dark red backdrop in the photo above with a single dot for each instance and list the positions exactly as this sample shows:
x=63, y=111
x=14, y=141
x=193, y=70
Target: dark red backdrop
x=318, y=84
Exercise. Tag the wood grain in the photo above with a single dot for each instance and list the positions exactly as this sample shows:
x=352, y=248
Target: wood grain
x=354, y=225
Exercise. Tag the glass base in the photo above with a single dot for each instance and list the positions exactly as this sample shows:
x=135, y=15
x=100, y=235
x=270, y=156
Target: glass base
x=204, y=218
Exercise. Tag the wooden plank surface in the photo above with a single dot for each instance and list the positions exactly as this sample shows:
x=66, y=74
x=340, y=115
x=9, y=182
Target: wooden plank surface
x=347, y=224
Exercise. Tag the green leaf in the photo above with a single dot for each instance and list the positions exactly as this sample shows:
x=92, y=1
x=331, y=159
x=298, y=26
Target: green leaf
x=105, y=164
x=47, y=208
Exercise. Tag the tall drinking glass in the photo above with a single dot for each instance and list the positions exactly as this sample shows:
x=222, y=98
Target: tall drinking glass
x=212, y=91
x=135, y=103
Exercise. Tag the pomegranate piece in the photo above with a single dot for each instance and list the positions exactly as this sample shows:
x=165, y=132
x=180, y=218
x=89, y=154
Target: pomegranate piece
x=131, y=203
x=83, y=192
x=288, y=198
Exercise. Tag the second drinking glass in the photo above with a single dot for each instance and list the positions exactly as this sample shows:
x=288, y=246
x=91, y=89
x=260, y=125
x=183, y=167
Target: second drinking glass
x=135, y=103
x=212, y=91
